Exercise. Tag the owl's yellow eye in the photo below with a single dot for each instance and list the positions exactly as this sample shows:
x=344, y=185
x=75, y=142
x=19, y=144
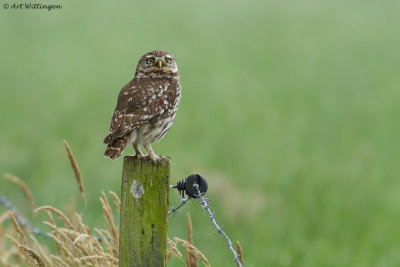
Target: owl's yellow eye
x=167, y=60
x=150, y=60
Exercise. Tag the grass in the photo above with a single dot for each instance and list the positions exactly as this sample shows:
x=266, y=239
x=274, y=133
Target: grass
x=289, y=109
x=73, y=243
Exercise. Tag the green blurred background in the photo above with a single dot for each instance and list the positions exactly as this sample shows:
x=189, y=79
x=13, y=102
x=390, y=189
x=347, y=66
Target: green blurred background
x=289, y=108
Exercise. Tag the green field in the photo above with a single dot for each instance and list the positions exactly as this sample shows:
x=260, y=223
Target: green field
x=290, y=109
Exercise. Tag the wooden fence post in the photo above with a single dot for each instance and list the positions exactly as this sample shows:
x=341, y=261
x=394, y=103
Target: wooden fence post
x=144, y=212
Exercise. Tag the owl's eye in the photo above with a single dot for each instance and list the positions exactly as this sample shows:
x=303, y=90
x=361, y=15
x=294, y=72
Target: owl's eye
x=150, y=60
x=167, y=60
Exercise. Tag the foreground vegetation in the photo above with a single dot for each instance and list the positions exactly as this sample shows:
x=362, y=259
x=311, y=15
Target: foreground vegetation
x=76, y=243
x=289, y=109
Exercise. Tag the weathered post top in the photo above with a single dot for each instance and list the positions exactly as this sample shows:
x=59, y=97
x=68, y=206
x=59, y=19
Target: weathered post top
x=144, y=212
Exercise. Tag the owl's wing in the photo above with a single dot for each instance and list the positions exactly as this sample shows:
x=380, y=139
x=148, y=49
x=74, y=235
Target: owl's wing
x=136, y=106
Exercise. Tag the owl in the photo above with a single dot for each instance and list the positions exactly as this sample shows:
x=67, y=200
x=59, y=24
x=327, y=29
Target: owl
x=146, y=106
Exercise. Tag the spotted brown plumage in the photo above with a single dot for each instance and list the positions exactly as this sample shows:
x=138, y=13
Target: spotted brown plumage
x=146, y=106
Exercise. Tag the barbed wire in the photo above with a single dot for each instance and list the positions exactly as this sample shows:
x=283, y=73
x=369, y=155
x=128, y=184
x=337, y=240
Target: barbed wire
x=199, y=195
x=206, y=206
x=173, y=210
x=10, y=206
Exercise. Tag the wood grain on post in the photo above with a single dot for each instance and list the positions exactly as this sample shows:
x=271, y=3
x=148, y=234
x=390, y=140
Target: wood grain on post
x=144, y=212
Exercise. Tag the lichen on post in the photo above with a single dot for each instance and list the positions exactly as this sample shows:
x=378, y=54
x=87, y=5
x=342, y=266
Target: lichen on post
x=144, y=212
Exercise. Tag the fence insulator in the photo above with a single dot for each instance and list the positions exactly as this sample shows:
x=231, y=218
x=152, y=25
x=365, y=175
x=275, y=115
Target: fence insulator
x=186, y=186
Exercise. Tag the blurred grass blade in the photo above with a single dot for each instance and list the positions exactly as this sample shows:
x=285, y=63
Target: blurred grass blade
x=24, y=187
x=77, y=172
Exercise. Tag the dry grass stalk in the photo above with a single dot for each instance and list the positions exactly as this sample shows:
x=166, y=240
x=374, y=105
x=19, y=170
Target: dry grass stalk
x=52, y=226
x=59, y=260
x=16, y=244
x=76, y=246
x=4, y=259
x=13, y=240
x=81, y=226
x=239, y=252
x=191, y=258
x=32, y=254
x=23, y=186
x=4, y=217
x=109, y=218
x=173, y=250
x=70, y=209
x=44, y=255
x=81, y=236
x=110, y=258
x=105, y=257
x=117, y=201
x=78, y=238
x=73, y=240
x=58, y=213
x=194, y=250
x=52, y=221
x=68, y=235
x=21, y=233
x=62, y=248
x=77, y=172
x=81, y=250
x=96, y=243
x=105, y=236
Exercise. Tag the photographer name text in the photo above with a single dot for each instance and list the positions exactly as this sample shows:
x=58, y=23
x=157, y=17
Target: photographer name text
x=30, y=6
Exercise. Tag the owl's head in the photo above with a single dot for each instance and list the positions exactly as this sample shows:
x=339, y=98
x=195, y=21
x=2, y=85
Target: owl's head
x=157, y=64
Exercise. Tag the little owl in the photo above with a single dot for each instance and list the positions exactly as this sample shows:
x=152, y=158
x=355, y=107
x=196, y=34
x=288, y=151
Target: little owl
x=146, y=106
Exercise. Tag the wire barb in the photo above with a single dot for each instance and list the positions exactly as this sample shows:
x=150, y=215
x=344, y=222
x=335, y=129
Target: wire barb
x=205, y=206
x=174, y=210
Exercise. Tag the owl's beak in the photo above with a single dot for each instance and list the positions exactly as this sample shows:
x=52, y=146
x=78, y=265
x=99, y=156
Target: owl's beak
x=159, y=63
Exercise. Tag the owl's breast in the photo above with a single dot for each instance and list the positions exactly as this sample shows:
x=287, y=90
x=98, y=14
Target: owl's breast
x=154, y=131
x=159, y=104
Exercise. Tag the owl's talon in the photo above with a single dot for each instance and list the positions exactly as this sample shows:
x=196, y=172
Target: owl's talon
x=153, y=158
x=138, y=152
x=150, y=153
x=163, y=157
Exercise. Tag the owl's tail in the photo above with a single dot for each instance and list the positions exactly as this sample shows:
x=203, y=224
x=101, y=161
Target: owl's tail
x=116, y=147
